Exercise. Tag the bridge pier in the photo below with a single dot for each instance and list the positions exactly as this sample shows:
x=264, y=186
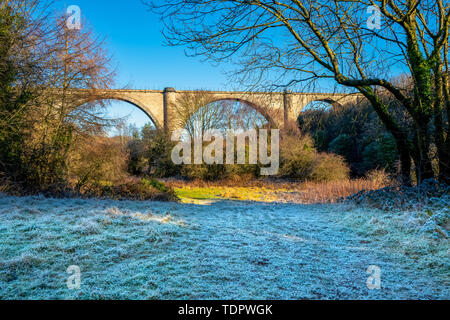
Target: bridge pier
x=169, y=102
x=287, y=106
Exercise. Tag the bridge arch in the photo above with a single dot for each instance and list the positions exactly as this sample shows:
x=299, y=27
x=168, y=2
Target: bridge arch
x=301, y=103
x=333, y=102
x=320, y=104
x=131, y=101
x=255, y=106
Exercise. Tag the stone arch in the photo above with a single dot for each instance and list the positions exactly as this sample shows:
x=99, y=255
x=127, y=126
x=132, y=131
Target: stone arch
x=253, y=105
x=131, y=101
x=301, y=104
x=333, y=102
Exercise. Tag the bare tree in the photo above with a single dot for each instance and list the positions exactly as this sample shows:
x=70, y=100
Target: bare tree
x=23, y=30
x=77, y=67
x=295, y=42
x=198, y=112
x=47, y=73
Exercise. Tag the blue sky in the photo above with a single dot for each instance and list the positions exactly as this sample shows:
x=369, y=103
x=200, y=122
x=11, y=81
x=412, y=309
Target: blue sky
x=134, y=39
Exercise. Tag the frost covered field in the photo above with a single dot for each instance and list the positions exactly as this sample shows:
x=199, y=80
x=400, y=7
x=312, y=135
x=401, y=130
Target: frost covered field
x=223, y=250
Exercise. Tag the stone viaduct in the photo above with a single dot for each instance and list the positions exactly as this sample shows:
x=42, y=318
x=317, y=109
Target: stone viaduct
x=277, y=107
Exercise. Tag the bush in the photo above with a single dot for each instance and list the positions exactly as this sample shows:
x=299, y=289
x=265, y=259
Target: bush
x=381, y=154
x=158, y=152
x=343, y=146
x=246, y=171
x=329, y=167
x=355, y=132
x=97, y=161
x=137, y=163
x=155, y=184
x=134, y=189
x=297, y=156
x=235, y=171
x=379, y=178
x=204, y=172
x=301, y=161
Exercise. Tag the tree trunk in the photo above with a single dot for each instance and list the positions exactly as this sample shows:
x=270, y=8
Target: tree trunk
x=423, y=102
x=405, y=158
x=424, y=166
x=400, y=135
x=445, y=161
x=439, y=122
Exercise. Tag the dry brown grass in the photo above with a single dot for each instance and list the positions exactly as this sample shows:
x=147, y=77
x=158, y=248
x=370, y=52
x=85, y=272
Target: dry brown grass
x=280, y=190
x=330, y=192
x=3, y=188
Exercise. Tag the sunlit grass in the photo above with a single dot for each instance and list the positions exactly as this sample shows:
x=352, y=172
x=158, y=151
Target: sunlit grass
x=186, y=194
x=306, y=192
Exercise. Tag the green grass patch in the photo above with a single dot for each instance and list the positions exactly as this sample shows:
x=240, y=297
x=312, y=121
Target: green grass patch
x=187, y=194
